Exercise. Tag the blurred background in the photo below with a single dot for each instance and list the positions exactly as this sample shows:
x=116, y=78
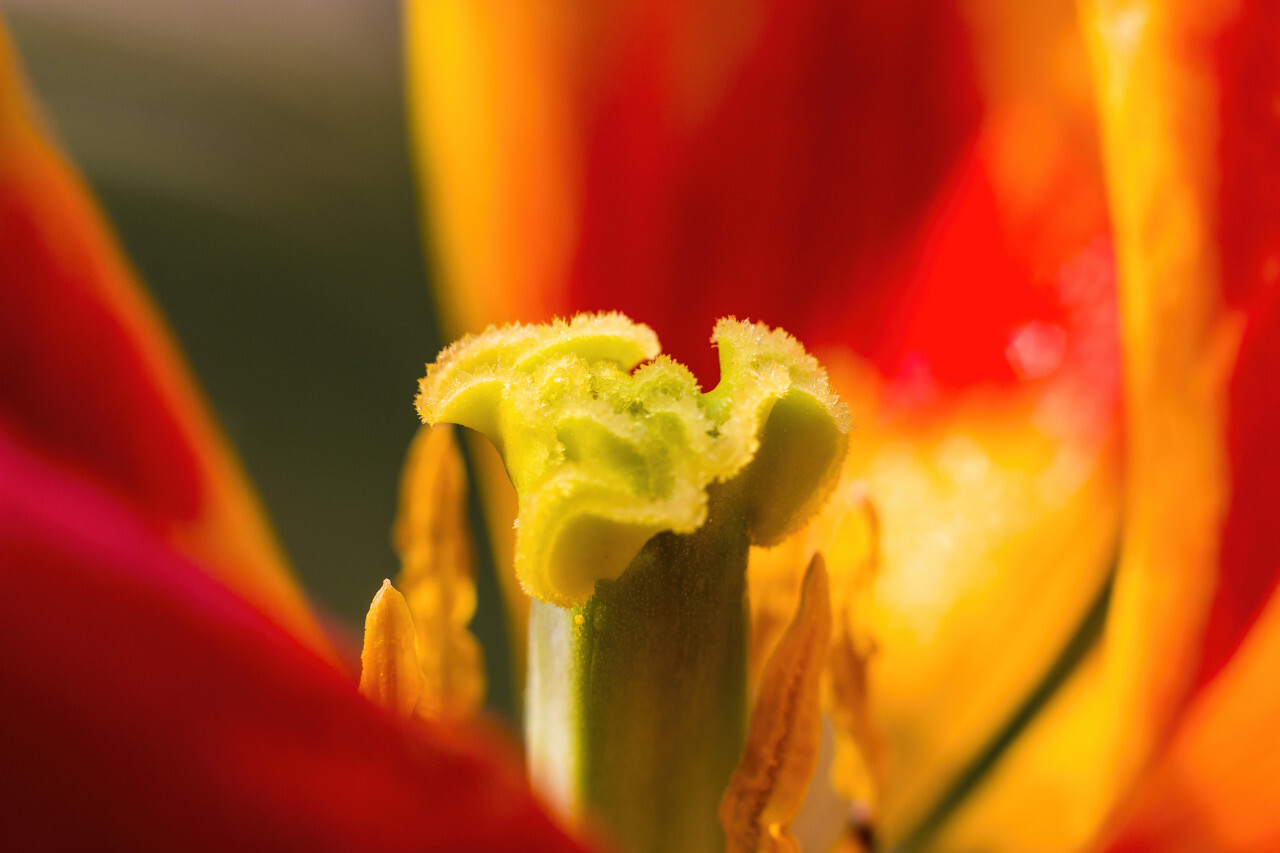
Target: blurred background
x=253, y=160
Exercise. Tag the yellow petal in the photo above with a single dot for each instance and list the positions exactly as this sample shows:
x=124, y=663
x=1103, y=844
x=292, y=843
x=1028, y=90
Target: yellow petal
x=489, y=117
x=437, y=576
x=1157, y=100
x=769, y=785
x=389, y=673
x=997, y=528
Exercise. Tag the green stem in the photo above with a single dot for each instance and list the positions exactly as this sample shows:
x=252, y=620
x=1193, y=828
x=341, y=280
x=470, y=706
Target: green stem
x=636, y=707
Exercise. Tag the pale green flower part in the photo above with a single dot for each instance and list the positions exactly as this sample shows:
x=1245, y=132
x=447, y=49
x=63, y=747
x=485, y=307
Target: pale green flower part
x=609, y=443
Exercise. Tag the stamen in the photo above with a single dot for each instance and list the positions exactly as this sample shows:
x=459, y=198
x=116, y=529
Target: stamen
x=431, y=535
x=848, y=532
x=389, y=673
x=768, y=787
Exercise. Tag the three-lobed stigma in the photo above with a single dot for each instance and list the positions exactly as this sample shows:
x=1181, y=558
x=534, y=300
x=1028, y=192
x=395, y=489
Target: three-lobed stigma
x=609, y=443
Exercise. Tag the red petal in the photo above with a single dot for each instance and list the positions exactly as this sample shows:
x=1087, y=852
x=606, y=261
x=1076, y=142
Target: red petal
x=785, y=198
x=147, y=706
x=90, y=377
x=989, y=267
x=1249, y=237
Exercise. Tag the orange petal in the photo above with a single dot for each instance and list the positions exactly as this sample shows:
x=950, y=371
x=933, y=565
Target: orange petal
x=1156, y=97
x=90, y=377
x=781, y=753
x=1217, y=788
x=1183, y=89
x=488, y=85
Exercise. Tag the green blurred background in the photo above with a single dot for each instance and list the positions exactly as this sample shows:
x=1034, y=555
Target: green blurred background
x=253, y=159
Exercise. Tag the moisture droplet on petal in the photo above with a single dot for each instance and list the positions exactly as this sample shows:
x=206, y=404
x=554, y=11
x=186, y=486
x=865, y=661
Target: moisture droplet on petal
x=1036, y=350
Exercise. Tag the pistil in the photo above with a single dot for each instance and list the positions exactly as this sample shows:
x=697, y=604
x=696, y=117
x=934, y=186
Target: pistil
x=639, y=497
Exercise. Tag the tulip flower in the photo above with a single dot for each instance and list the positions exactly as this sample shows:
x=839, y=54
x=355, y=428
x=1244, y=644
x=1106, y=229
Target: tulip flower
x=164, y=685
x=1035, y=246
x=1035, y=249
